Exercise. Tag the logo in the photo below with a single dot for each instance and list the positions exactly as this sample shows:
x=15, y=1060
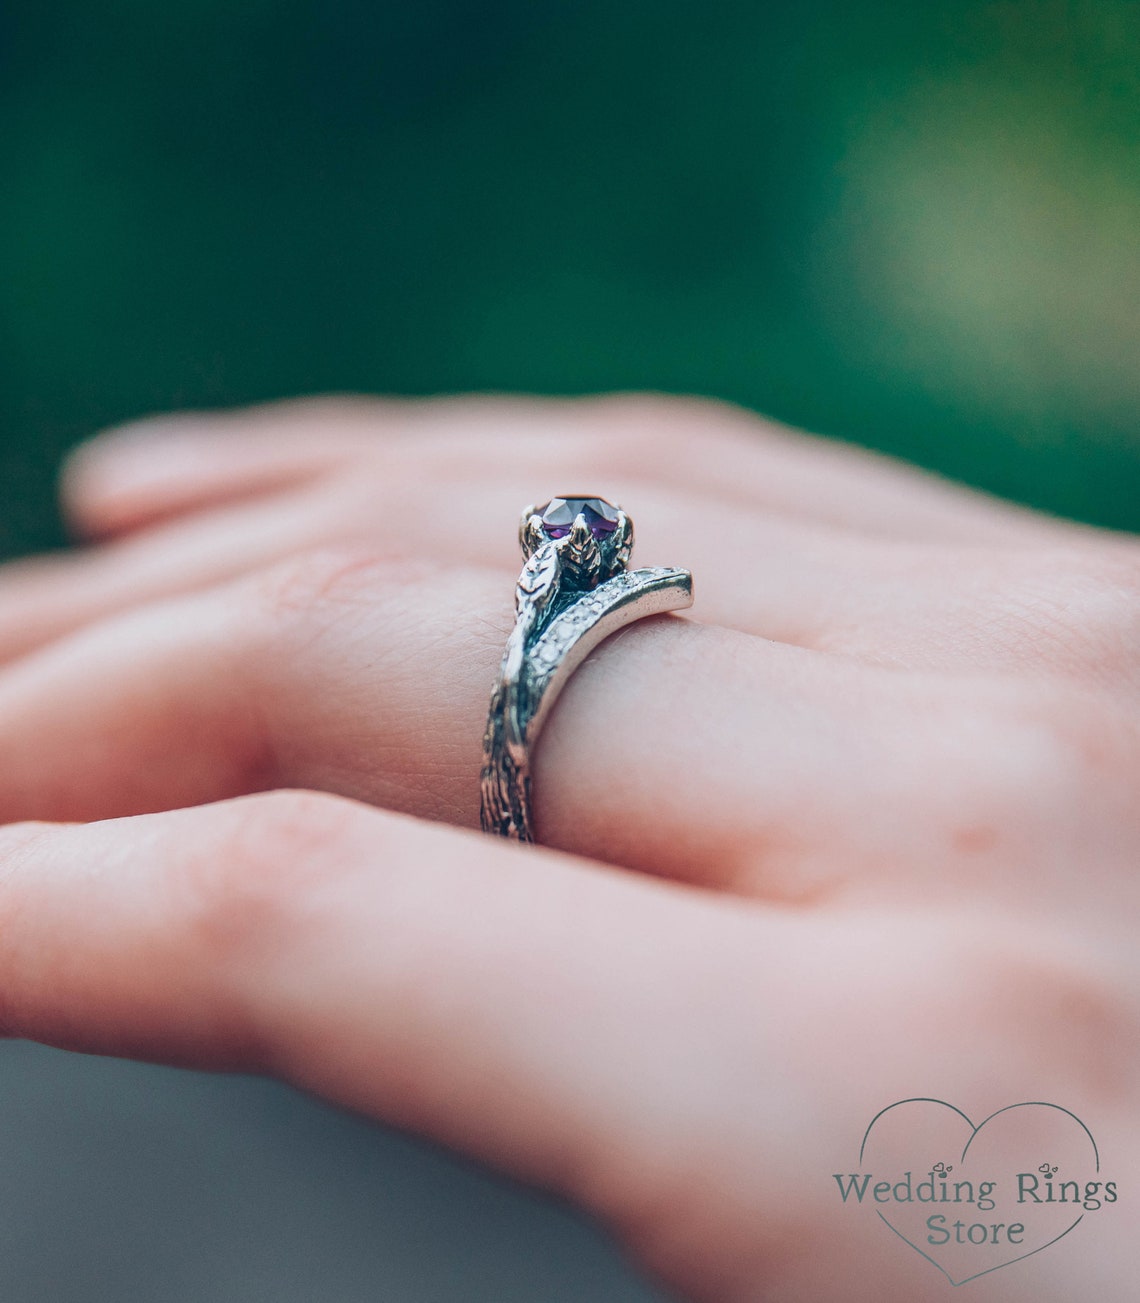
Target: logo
x=974, y=1198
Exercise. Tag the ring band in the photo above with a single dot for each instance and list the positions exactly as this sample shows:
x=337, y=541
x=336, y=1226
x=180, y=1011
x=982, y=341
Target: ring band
x=574, y=591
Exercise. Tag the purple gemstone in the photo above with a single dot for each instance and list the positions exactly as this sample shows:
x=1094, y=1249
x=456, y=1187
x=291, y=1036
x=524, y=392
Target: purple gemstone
x=559, y=515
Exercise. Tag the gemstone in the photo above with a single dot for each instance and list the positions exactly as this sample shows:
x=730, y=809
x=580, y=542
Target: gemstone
x=559, y=515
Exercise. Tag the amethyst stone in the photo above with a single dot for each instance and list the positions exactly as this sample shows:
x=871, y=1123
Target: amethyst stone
x=559, y=515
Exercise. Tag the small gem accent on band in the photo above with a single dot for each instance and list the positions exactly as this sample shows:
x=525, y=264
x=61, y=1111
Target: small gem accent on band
x=559, y=515
x=549, y=648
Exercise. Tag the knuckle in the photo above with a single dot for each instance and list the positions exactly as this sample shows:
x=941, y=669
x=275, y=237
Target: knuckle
x=1022, y=758
x=1062, y=742
x=319, y=589
x=252, y=896
x=1058, y=1007
x=314, y=577
x=1044, y=774
x=1066, y=1007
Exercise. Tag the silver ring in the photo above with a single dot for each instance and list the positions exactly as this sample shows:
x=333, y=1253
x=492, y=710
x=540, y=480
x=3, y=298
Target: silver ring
x=575, y=590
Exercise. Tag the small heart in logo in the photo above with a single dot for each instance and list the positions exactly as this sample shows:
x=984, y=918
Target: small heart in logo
x=974, y=1198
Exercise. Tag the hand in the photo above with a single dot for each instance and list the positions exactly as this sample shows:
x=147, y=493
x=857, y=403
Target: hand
x=879, y=792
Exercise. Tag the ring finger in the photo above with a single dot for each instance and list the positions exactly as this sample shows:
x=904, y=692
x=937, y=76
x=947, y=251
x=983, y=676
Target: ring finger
x=680, y=749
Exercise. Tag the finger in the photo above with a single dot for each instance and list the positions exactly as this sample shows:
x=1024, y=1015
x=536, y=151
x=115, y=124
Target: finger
x=460, y=987
x=483, y=475
x=45, y=597
x=650, y=1052
x=165, y=466
x=677, y=748
x=125, y=479
x=781, y=577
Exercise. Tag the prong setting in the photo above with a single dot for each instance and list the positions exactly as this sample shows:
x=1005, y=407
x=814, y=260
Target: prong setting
x=592, y=538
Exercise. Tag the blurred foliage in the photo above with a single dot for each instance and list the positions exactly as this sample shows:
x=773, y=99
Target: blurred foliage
x=915, y=226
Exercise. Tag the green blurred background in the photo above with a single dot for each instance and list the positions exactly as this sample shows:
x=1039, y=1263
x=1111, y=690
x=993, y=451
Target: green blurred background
x=914, y=226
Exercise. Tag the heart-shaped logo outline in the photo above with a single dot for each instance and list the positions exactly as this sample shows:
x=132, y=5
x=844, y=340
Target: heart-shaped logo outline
x=974, y=1130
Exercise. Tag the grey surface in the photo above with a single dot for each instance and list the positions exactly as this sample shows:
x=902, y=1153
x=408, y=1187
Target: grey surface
x=127, y=1182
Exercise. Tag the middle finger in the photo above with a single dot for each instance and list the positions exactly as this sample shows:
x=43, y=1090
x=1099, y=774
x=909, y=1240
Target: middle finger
x=932, y=605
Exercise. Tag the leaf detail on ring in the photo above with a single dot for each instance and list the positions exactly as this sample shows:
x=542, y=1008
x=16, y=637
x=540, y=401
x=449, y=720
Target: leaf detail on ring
x=538, y=582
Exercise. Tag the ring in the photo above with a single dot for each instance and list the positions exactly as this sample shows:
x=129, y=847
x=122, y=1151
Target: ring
x=574, y=591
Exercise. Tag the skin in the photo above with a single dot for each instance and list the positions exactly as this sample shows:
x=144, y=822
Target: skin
x=863, y=826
